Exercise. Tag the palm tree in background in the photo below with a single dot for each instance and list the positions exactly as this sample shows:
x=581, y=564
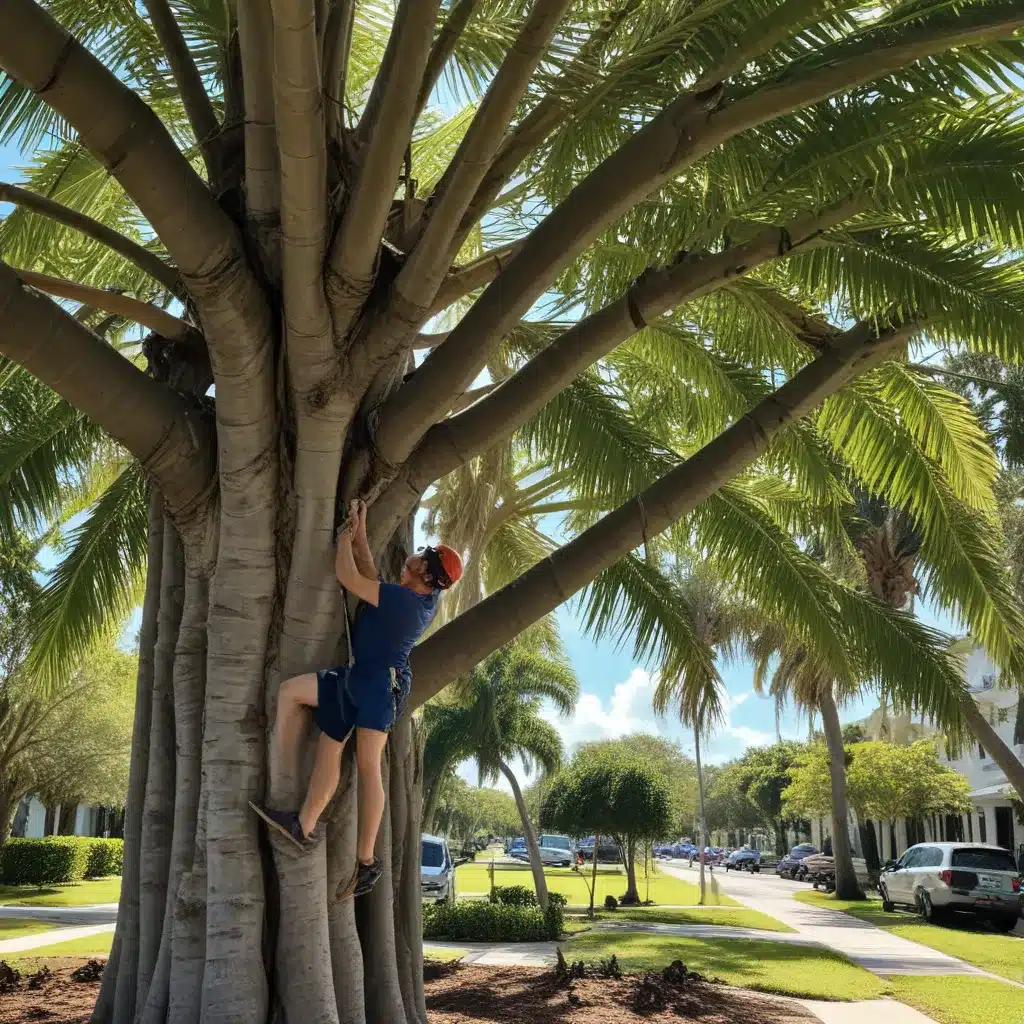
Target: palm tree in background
x=493, y=716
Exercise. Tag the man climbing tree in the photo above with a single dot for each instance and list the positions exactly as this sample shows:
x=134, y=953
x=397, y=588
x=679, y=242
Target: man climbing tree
x=274, y=191
x=361, y=697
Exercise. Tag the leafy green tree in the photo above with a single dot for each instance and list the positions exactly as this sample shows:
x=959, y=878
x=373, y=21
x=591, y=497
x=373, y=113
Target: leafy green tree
x=762, y=775
x=493, y=715
x=690, y=191
x=465, y=811
x=727, y=807
x=69, y=743
x=608, y=789
x=884, y=780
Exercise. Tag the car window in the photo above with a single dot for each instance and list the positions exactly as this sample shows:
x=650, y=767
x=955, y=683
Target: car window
x=432, y=855
x=985, y=860
x=931, y=857
x=912, y=858
x=555, y=842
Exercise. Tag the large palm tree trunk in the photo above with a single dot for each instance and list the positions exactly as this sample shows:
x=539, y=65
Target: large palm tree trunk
x=990, y=740
x=847, y=886
x=532, y=848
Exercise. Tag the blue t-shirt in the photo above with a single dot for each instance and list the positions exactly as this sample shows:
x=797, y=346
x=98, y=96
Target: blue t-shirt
x=383, y=636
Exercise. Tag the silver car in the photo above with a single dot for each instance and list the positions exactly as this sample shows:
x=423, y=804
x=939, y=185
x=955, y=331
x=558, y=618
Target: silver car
x=437, y=870
x=938, y=879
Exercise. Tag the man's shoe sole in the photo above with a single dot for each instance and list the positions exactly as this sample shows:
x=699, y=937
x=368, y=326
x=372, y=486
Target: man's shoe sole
x=277, y=827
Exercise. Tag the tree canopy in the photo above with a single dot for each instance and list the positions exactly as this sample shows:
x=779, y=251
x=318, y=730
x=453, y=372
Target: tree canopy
x=884, y=780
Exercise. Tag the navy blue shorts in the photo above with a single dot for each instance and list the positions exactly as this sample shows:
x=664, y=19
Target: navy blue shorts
x=344, y=704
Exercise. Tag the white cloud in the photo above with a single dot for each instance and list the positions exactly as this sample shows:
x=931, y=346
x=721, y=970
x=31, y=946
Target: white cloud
x=628, y=711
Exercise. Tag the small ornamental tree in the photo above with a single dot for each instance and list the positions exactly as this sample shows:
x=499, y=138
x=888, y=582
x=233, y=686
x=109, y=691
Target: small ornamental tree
x=608, y=790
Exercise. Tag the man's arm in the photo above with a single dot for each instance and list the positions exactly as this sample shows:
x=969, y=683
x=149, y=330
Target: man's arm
x=360, y=545
x=349, y=575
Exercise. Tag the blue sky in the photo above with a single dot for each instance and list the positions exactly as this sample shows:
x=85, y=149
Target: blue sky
x=616, y=690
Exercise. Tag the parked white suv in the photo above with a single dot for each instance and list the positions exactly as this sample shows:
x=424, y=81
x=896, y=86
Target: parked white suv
x=437, y=870
x=943, y=878
x=556, y=850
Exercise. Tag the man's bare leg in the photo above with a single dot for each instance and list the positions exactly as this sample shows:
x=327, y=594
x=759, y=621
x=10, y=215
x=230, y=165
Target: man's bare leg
x=369, y=748
x=294, y=700
x=323, y=782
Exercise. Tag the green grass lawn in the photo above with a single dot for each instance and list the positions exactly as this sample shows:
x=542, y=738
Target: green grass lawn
x=664, y=889
x=731, y=917
x=961, y=1000
x=12, y=928
x=803, y=971
x=81, y=894
x=1000, y=954
x=88, y=946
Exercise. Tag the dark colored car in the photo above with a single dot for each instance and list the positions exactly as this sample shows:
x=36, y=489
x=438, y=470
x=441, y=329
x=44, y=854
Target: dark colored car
x=744, y=860
x=791, y=866
x=607, y=853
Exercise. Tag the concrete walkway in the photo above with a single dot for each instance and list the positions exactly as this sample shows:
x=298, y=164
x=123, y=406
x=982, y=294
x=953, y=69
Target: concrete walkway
x=875, y=1011
x=49, y=938
x=873, y=948
x=100, y=913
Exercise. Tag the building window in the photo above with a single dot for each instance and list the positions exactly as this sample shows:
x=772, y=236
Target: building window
x=988, y=682
x=981, y=752
x=982, y=837
x=970, y=827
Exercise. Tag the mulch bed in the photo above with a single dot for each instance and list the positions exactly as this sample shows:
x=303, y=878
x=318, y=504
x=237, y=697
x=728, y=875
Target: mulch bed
x=54, y=995
x=463, y=994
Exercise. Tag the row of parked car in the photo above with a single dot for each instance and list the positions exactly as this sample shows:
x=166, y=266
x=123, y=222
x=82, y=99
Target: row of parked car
x=561, y=851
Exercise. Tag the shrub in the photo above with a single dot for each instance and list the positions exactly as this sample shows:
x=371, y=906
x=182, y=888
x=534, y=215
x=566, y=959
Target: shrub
x=59, y=860
x=554, y=919
x=56, y=860
x=514, y=896
x=106, y=857
x=486, y=922
x=558, y=897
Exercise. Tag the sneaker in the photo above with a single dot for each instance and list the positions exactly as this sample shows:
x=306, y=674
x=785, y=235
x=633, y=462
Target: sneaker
x=367, y=876
x=285, y=823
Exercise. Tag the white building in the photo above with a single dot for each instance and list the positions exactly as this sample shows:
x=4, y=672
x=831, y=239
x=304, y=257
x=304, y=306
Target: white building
x=993, y=819
x=32, y=822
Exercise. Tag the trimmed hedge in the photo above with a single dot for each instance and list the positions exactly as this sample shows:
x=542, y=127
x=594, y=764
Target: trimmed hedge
x=106, y=857
x=59, y=860
x=514, y=896
x=491, y=922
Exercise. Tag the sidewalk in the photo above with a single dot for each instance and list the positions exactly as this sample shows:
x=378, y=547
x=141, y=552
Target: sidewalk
x=872, y=948
x=51, y=937
x=99, y=913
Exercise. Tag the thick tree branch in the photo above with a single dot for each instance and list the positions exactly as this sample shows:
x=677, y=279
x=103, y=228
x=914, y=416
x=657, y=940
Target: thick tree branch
x=194, y=96
x=132, y=142
x=303, y=158
x=150, y=419
x=686, y=130
x=452, y=442
x=467, y=278
x=386, y=127
x=336, y=47
x=550, y=111
x=426, y=265
x=262, y=175
x=811, y=87
x=153, y=317
x=444, y=47
x=504, y=615
x=137, y=254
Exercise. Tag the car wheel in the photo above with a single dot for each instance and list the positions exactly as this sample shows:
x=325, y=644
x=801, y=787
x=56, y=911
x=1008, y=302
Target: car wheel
x=795, y=875
x=755, y=869
x=925, y=908
x=887, y=904
x=1005, y=924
